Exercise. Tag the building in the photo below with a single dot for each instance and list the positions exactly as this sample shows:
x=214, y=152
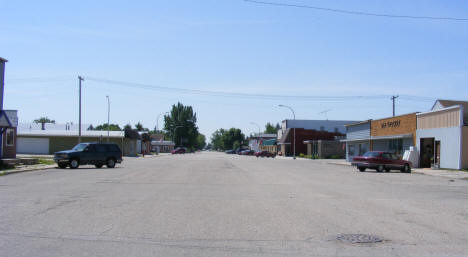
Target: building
x=394, y=134
x=442, y=135
x=307, y=130
x=256, y=141
x=161, y=146
x=269, y=145
x=51, y=141
x=326, y=149
x=8, y=122
x=358, y=139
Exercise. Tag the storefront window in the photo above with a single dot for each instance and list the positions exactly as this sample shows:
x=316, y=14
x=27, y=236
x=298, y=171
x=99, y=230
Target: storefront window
x=10, y=137
x=351, y=150
x=396, y=146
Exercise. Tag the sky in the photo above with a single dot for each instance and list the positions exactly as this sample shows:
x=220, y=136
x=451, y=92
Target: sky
x=230, y=46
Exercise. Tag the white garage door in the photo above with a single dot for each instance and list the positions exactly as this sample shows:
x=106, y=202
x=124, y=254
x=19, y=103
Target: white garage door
x=32, y=145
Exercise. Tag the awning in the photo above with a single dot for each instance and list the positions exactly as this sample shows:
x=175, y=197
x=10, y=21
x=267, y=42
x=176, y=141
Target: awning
x=392, y=137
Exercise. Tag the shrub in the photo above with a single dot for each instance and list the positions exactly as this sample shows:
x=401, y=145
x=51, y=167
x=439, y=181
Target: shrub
x=301, y=155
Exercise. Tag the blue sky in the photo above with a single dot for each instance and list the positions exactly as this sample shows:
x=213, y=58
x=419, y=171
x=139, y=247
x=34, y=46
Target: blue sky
x=230, y=46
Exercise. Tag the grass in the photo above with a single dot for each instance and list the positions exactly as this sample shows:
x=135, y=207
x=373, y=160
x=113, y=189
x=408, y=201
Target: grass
x=46, y=161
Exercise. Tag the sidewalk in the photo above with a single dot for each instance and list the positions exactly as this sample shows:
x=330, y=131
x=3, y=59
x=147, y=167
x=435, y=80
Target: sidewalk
x=26, y=168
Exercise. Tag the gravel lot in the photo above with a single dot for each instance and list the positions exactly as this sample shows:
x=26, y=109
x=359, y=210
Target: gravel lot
x=213, y=204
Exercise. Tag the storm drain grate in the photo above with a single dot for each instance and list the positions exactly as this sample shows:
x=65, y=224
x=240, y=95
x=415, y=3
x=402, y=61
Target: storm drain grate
x=359, y=238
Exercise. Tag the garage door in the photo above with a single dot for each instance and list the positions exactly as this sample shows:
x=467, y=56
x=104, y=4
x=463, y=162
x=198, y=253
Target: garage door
x=32, y=145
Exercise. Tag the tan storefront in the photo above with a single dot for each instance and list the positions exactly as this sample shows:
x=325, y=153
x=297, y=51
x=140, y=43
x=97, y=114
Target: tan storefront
x=395, y=134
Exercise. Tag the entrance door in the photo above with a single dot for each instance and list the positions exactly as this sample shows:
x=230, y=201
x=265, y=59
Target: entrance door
x=426, y=152
x=437, y=153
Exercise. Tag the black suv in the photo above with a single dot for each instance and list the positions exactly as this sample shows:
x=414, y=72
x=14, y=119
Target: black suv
x=96, y=154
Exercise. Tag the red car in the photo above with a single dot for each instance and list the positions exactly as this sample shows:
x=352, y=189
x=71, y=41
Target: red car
x=264, y=154
x=381, y=161
x=178, y=150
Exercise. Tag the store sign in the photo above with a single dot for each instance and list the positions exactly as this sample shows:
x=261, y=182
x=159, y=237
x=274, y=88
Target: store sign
x=391, y=124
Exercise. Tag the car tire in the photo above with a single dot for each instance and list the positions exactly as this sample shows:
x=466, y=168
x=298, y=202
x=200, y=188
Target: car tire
x=62, y=165
x=110, y=163
x=74, y=164
x=99, y=165
x=361, y=169
x=387, y=170
x=406, y=169
x=380, y=168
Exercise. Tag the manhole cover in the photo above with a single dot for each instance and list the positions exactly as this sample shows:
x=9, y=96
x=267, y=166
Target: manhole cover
x=359, y=238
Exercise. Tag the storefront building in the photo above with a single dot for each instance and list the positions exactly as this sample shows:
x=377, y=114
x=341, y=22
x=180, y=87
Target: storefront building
x=442, y=137
x=357, y=139
x=395, y=134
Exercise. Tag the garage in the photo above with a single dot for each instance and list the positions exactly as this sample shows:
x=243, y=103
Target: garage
x=32, y=145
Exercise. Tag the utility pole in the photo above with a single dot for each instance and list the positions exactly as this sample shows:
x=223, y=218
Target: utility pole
x=79, y=112
x=393, y=99
x=294, y=129
x=108, y=117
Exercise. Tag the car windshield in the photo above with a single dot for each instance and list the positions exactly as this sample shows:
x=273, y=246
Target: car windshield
x=372, y=154
x=80, y=147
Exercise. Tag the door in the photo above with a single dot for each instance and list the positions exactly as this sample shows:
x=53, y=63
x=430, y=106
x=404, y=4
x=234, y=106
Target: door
x=437, y=153
x=32, y=145
x=88, y=156
x=426, y=152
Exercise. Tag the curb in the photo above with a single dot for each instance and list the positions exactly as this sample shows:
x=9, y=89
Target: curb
x=27, y=169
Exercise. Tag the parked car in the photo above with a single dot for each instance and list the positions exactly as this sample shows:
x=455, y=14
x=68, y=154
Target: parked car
x=247, y=152
x=230, y=152
x=381, y=161
x=179, y=150
x=264, y=154
x=96, y=154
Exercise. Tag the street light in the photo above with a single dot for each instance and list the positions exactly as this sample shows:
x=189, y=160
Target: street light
x=157, y=120
x=294, y=130
x=108, y=117
x=253, y=123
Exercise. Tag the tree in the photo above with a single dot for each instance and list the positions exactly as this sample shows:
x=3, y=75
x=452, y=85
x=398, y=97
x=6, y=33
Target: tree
x=112, y=127
x=227, y=139
x=43, y=121
x=180, y=125
x=139, y=127
x=201, y=141
x=128, y=126
x=90, y=127
x=270, y=129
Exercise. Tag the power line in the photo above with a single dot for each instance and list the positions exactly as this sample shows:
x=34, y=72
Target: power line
x=251, y=95
x=357, y=12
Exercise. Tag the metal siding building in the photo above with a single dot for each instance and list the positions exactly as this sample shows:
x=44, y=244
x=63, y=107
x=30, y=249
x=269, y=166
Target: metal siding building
x=357, y=139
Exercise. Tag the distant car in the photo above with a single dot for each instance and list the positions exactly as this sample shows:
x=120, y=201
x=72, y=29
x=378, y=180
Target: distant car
x=264, y=154
x=247, y=152
x=230, y=152
x=381, y=161
x=96, y=154
x=179, y=150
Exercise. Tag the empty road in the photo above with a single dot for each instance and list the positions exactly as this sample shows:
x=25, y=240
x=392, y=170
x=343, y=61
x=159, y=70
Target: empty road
x=213, y=204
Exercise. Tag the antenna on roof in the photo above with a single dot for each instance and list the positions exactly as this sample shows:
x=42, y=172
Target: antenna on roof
x=325, y=113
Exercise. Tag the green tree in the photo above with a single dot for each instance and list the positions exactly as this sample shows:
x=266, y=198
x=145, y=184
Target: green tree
x=180, y=125
x=112, y=127
x=128, y=126
x=227, y=139
x=43, y=121
x=270, y=128
x=201, y=141
x=139, y=127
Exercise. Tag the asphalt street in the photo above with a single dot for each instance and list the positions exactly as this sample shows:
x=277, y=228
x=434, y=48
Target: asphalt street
x=213, y=204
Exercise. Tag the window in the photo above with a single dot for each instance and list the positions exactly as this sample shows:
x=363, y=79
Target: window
x=10, y=137
x=322, y=128
x=101, y=148
x=395, y=146
x=372, y=154
x=337, y=130
x=351, y=150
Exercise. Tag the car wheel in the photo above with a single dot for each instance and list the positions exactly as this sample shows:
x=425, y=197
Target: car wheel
x=74, y=163
x=380, y=168
x=362, y=169
x=62, y=165
x=406, y=169
x=99, y=165
x=387, y=170
x=110, y=163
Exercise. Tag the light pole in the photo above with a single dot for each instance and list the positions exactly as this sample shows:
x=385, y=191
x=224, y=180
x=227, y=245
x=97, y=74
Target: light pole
x=173, y=133
x=79, y=111
x=253, y=123
x=157, y=120
x=108, y=117
x=294, y=130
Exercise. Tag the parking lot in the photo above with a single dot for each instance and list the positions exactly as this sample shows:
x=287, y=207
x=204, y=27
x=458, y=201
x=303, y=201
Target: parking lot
x=214, y=204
